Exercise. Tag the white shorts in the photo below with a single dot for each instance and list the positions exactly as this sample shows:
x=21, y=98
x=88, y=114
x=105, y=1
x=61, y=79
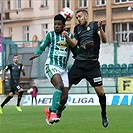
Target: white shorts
x=51, y=70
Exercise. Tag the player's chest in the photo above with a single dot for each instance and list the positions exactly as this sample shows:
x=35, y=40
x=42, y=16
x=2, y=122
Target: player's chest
x=16, y=68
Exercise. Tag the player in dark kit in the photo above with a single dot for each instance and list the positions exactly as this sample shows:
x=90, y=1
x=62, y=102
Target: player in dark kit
x=15, y=70
x=86, y=64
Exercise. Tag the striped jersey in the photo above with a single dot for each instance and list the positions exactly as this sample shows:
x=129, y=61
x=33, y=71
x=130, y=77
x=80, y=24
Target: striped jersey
x=59, y=49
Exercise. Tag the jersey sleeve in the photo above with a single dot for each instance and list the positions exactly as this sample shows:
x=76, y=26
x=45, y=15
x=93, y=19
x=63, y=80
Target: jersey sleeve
x=71, y=35
x=76, y=50
x=96, y=26
x=43, y=45
x=21, y=66
x=76, y=32
x=8, y=67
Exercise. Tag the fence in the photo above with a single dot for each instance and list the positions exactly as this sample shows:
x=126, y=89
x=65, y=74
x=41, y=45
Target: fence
x=110, y=72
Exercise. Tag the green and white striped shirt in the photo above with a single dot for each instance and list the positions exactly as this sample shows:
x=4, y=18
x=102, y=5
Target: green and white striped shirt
x=59, y=49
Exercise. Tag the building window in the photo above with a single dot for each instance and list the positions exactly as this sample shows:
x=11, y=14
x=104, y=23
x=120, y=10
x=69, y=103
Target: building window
x=65, y=3
x=123, y=32
x=100, y=2
x=120, y=1
x=44, y=3
x=26, y=33
x=83, y=3
x=45, y=29
x=17, y=3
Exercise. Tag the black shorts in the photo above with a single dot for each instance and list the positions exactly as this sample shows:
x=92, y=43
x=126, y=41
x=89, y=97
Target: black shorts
x=15, y=87
x=90, y=70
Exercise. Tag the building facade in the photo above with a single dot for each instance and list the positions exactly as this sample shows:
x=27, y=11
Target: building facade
x=25, y=19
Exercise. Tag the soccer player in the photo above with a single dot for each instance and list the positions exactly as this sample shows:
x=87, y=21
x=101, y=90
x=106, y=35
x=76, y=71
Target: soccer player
x=15, y=70
x=55, y=66
x=86, y=64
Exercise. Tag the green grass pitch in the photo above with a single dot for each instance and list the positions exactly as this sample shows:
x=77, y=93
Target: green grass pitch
x=75, y=119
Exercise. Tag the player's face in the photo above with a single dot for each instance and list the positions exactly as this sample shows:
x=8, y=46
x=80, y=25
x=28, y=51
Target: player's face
x=82, y=18
x=15, y=59
x=58, y=26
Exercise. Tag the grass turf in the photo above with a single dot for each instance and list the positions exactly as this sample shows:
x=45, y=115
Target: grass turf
x=75, y=119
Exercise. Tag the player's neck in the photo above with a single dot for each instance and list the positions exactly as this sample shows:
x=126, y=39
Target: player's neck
x=87, y=23
x=15, y=63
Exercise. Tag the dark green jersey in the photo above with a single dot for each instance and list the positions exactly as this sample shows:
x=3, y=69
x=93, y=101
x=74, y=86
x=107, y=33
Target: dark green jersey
x=15, y=71
x=58, y=49
x=85, y=35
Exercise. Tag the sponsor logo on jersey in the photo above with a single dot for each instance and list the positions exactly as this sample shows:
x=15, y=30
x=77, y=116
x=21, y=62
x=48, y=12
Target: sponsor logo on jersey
x=61, y=44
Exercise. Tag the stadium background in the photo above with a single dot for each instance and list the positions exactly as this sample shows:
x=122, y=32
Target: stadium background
x=118, y=26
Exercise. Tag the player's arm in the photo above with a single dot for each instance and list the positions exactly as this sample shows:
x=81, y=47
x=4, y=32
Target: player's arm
x=4, y=75
x=75, y=50
x=23, y=72
x=70, y=41
x=41, y=48
x=101, y=32
x=4, y=72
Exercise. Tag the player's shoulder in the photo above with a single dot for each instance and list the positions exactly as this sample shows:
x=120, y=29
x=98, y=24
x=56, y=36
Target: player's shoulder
x=77, y=27
x=20, y=64
x=50, y=34
x=10, y=65
x=93, y=22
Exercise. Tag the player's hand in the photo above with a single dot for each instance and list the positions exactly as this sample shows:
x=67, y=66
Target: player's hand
x=85, y=46
x=65, y=34
x=3, y=80
x=33, y=57
x=23, y=68
x=100, y=24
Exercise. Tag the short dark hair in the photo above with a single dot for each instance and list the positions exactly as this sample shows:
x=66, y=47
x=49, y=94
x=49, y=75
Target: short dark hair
x=60, y=17
x=82, y=10
x=15, y=55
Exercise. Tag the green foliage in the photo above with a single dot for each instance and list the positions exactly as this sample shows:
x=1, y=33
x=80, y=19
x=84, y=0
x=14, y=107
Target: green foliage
x=75, y=119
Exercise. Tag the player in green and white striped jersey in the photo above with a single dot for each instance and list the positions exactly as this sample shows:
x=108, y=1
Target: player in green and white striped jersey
x=55, y=66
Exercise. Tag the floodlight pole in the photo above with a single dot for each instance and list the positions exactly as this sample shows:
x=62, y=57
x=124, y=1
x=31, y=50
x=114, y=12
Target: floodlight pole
x=2, y=20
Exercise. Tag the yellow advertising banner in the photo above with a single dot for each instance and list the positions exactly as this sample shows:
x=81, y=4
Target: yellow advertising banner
x=125, y=85
x=0, y=86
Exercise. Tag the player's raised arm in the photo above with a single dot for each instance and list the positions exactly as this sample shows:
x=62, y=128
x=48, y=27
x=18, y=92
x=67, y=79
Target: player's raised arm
x=101, y=32
x=71, y=42
x=33, y=57
x=23, y=72
x=41, y=48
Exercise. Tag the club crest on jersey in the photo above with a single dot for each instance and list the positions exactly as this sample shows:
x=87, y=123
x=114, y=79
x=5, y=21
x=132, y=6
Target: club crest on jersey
x=88, y=28
x=61, y=45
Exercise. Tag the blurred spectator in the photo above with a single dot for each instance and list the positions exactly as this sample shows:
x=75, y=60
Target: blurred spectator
x=34, y=93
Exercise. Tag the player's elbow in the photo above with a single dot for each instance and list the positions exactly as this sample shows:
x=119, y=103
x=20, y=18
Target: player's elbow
x=24, y=74
x=104, y=40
